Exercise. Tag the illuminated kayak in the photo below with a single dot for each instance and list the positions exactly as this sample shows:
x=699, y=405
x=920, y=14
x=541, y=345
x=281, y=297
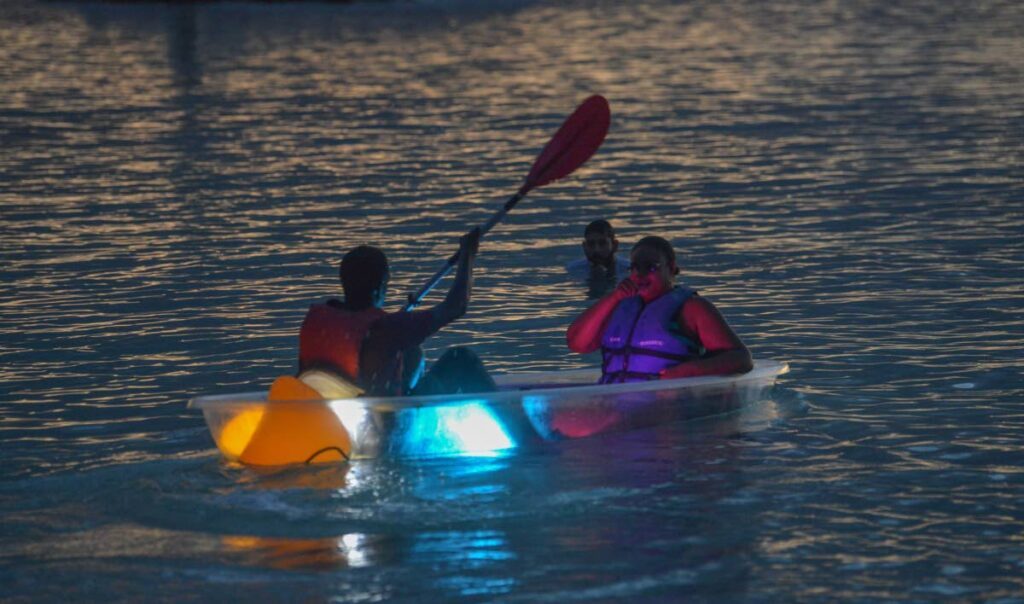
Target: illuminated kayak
x=255, y=429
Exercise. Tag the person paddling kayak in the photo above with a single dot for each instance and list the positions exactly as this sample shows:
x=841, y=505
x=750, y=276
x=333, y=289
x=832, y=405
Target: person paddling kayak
x=379, y=352
x=649, y=328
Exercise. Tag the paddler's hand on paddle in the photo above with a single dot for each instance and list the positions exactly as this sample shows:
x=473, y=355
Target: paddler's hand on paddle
x=457, y=300
x=469, y=244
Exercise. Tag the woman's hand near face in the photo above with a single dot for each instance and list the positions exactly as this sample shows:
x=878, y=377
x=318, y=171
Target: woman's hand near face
x=626, y=288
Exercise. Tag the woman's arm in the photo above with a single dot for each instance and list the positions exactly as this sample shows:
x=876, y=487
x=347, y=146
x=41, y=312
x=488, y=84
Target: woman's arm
x=584, y=335
x=726, y=353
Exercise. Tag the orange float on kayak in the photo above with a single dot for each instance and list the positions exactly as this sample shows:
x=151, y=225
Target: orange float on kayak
x=233, y=438
x=293, y=426
x=296, y=428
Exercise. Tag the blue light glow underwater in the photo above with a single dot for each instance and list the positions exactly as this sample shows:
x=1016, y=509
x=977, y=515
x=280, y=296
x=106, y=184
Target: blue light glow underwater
x=466, y=428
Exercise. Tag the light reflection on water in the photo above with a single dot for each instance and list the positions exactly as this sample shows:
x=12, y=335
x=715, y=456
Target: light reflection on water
x=843, y=180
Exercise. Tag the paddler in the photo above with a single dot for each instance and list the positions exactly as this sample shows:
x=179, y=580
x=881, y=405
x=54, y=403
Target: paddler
x=649, y=328
x=379, y=352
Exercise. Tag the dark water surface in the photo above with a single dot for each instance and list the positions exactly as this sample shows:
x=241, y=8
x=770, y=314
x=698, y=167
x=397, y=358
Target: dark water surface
x=843, y=179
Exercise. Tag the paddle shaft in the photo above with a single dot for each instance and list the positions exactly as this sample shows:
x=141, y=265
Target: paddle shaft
x=578, y=138
x=415, y=299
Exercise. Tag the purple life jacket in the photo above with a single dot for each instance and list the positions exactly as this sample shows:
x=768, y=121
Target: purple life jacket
x=642, y=339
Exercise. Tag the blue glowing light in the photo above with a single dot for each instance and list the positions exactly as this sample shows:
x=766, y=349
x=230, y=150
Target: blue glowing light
x=467, y=428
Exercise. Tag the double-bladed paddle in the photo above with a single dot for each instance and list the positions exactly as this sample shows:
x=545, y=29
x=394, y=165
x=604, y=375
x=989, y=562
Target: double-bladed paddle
x=573, y=144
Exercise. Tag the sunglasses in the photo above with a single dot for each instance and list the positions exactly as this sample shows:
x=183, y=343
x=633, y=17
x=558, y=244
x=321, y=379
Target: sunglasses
x=643, y=267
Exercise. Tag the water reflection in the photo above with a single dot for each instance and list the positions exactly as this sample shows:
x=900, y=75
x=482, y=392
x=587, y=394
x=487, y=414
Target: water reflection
x=352, y=550
x=465, y=527
x=416, y=509
x=466, y=553
x=326, y=477
x=182, y=50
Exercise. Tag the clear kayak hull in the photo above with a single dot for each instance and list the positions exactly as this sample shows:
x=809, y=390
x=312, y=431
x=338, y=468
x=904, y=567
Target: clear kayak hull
x=527, y=408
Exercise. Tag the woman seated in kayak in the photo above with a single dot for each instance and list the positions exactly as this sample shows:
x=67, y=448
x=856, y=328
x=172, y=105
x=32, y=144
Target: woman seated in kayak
x=379, y=352
x=649, y=328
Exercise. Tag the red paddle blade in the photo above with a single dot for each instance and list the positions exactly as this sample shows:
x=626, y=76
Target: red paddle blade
x=573, y=144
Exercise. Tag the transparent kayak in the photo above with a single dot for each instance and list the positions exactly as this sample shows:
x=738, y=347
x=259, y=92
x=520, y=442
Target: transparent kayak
x=528, y=408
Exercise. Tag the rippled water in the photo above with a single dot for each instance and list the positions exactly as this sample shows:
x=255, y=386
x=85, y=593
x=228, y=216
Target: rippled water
x=843, y=179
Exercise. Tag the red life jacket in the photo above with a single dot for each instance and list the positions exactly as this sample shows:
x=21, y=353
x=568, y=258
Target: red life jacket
x=332, y=337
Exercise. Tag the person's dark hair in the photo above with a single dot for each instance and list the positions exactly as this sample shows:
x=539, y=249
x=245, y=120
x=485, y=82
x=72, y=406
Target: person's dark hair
x=362, y=270
x=601, y=227
x=661, y=245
